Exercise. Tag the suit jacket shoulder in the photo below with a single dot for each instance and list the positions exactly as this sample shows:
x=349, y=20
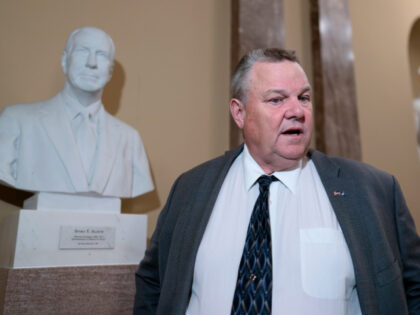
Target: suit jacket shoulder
x=346, y=169
x=211, y=169
x=26, y=110
x=121, y=126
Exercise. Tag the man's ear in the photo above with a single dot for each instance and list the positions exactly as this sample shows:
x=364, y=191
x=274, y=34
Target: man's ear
x=237, y=110
x=64, y=62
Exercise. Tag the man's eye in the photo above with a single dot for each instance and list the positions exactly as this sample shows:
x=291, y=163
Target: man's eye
x=275, y=100
x=305, y=98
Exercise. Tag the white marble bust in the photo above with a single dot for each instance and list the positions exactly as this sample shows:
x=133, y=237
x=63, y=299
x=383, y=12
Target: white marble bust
x=69, y=143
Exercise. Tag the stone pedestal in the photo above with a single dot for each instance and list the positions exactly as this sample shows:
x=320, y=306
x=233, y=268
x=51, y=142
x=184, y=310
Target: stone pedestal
x=69, y=261
x=34, y=238
x=67, y=290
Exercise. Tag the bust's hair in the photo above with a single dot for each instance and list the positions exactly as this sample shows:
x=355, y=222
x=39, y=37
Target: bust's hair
x=239, y=84
x=72, y=36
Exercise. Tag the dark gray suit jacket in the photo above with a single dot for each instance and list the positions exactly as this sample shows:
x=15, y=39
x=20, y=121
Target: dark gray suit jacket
x=377, y=226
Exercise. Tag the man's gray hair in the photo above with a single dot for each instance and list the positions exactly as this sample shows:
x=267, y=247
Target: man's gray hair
x=239, y=85
x=72, y=36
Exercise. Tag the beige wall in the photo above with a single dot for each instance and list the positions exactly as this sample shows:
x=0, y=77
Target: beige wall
x=381, y=30
x=171, y=79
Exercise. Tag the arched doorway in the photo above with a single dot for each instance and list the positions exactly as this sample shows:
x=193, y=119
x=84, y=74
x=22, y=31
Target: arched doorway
x=414, y=55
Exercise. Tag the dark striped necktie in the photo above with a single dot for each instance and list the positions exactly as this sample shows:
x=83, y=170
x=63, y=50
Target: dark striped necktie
x=254, y=284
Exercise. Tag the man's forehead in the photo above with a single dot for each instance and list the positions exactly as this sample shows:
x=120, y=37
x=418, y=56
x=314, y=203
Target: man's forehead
x=92, y=37
x=267, y=67
x=283, y=72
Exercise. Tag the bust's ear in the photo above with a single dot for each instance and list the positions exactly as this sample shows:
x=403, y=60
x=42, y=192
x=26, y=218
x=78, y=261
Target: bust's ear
x=237, y=110
x=64, y=62
x=111, y=70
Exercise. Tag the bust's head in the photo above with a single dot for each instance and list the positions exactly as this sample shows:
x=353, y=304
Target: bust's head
x=88, y=59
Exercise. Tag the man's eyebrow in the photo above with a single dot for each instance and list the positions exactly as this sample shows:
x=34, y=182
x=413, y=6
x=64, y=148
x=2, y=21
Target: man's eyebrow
x=274, y=91
x=305, y=89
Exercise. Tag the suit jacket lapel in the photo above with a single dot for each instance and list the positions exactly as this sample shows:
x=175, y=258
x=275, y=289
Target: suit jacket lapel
x=189, y=232
x=349, y=205
x=56, y=124
x=108, y=145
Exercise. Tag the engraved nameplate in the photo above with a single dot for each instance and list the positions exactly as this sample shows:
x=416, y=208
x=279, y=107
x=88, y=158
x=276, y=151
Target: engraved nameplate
x=87, y=237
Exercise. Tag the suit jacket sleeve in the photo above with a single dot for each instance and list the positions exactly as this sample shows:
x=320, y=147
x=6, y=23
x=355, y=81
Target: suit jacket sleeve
x=151, y=269
x=409, y=243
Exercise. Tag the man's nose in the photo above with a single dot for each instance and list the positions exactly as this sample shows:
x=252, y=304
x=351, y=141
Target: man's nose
x=91, y=61
x=294, y=110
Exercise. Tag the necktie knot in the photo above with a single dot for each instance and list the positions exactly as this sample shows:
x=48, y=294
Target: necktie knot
x=88, y=116
x=265, y=180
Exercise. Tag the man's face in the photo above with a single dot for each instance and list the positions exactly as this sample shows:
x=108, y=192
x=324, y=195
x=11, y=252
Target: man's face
x=88, y=66
x=277, y=118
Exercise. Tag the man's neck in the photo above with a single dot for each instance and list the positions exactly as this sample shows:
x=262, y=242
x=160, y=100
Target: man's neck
x=276, y=164
x=84, y=98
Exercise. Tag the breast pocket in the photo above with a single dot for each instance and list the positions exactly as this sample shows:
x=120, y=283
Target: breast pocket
x=326, y=266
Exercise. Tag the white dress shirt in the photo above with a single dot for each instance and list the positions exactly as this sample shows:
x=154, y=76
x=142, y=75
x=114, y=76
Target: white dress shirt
x=312, y=268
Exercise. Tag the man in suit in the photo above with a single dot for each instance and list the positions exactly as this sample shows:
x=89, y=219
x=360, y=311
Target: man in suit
x=69, y=143
x=334, y=236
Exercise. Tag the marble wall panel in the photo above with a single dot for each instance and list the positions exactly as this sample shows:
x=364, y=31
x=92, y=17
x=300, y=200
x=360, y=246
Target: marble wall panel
x=336, y=119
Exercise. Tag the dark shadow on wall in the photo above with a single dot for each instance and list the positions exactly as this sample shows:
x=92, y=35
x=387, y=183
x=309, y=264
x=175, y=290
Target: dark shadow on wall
x=111, y=97
x=144, y=203
x=14, y=196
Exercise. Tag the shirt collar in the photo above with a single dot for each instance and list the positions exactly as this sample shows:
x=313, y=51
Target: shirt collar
x=74, y=108
x=252, y=171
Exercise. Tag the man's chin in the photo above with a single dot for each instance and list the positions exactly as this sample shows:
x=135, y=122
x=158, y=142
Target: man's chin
x=294, y=153
x=91, y=88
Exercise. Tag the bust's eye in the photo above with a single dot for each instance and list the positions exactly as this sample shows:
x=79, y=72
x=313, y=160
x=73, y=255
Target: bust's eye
x=81, y=49
x=102, y=54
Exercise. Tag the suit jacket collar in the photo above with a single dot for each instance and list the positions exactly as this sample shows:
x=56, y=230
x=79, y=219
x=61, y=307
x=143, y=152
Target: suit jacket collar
x=189, y=231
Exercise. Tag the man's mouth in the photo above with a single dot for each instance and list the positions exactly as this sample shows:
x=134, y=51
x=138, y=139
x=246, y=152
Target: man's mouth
x=293, y=132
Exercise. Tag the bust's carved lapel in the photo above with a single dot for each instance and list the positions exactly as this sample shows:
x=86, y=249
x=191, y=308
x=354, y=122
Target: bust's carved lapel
x=53, y=119
x=108, y=145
